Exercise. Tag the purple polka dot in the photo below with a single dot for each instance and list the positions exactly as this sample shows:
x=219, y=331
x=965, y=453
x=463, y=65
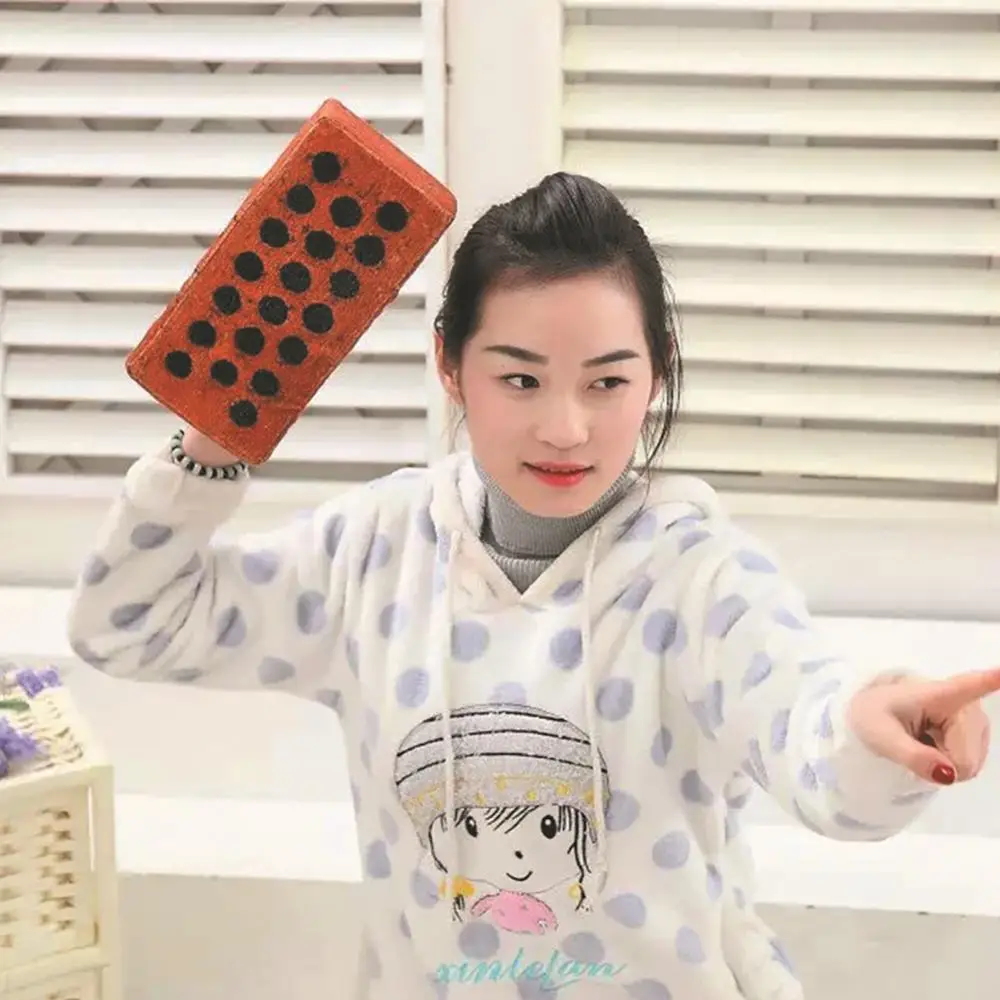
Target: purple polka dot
x=186, y=675
x=352, y=654
x=622, y=812
x=88, y=655
x=708, y=710
x=713, y=882
x=781, y=956
x=192, y=566
x=824, y=728
x=426, y=526
x=231, y=628
x=412, y=687
x=641, y=528
x=615, y=698
x=663, y=741
x=423, y=890
x=723, y=616
x=672, y=851
x=695, y=790
x=779, y=730
x=392, y=620
x=274, y=670
x=634, y=595
x=759, y=670
x=151, y=536
x=332, y=699
x=755, y=765
x=438, y=987
x=377, y=556
x=814, y=666
x=95, y=571
x=260, y=567
x=156, y=645
x=130, y=617
x=478, y=940
x=692, y=539
x=785, y=617
x=627, y=909
x=310, y=612
x=584, y=947
x=566, y=648
x=807, y=778
x=333, y=533
x=568, y=591
x=648, y=989
x=689, y=946
x=662, y=631
x=377, y=863
x=509, y=693
x=469, y=640
x=755, y=562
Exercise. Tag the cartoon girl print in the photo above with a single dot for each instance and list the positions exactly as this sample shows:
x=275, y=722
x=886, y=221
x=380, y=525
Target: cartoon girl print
x=523, y=830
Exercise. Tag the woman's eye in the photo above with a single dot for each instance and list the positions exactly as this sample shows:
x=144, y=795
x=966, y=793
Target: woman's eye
x=521, y=381
x=611, y=382
x=471, y=827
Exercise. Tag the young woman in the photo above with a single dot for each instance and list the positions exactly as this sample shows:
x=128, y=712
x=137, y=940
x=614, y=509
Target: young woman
x=559, y=677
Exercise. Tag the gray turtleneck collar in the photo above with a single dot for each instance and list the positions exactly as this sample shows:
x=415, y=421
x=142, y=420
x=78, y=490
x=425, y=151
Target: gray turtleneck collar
x=524, y=545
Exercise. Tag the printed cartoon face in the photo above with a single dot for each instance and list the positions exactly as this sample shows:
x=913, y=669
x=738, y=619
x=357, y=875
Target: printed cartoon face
x=525, y=849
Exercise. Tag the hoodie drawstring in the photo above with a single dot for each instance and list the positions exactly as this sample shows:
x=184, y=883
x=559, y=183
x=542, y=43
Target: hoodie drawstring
x=443, y=627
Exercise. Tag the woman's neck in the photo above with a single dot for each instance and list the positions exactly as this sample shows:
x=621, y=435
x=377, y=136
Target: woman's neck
x=511, y=531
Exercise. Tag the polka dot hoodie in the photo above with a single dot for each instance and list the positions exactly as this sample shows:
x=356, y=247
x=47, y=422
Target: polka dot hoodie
x=548, y=784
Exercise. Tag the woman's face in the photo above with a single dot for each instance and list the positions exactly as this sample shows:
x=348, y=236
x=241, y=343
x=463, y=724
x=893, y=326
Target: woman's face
x=555, y=385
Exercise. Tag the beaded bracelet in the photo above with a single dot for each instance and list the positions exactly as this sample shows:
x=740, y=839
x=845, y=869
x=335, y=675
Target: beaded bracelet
x=179, y=457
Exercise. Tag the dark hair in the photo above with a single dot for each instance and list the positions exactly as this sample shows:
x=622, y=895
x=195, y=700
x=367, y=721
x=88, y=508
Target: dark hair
x=565, y=226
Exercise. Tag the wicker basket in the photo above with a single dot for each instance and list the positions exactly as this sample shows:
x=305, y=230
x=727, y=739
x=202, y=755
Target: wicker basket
x=59, y=933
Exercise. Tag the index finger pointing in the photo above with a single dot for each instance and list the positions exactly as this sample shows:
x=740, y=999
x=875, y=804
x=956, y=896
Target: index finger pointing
x=956, y=692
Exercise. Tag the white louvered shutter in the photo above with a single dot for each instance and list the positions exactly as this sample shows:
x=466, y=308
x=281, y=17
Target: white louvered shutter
x=824, y=177
x=129, y=134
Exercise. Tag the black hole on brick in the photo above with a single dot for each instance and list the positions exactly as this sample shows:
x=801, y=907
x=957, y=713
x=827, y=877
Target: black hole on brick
x=249, y=266
x=369, y=251
x=295, y=277
x=272, y=310
x=345, y=212
x=318, y=318
x=293, y=350
x=265, y=383
x=344, y=284
x=300, y=199
x=227, y=300
x=243, y=413
x=274, y=233
x=249, y=340
x=320, y=245
x=178, y=363
x=224, y=372
x=201, y=333
x=326, y=167
x=392, y=217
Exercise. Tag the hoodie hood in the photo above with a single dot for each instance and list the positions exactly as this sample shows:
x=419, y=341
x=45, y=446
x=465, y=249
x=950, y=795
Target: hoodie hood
x=649, y=508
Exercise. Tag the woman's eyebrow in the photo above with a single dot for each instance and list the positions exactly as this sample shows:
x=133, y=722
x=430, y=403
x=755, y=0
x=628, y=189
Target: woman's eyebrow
x=533, y=357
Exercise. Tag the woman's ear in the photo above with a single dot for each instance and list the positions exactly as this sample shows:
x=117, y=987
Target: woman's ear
x=447, y=372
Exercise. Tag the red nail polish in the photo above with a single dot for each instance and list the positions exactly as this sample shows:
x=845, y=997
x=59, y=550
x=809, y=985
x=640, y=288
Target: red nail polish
x=943, y=774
